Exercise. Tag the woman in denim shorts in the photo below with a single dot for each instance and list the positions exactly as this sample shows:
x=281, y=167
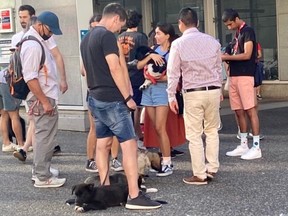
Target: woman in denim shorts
x=155, y=98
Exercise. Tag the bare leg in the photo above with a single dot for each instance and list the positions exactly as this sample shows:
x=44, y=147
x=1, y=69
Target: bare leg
x=91, y=138
x=30, y=134
x=115, y=148
x=103, y=149
x=4, y=127
x=129, y=150
x=254, y=120
x=137, y=116
x=16, y=126
x=158, y=117
x=241, y=116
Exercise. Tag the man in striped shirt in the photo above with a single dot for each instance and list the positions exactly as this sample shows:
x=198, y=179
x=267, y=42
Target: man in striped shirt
x=201, y=80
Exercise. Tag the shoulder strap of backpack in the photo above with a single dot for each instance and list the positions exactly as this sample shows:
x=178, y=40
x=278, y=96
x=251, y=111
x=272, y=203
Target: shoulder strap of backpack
x=30, y=37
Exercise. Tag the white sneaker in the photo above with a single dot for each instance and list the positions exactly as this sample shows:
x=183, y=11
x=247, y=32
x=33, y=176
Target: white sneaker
x=253, y=153
x=9, y=148
x=52, y=182
x=239, y=151
x=55, y=173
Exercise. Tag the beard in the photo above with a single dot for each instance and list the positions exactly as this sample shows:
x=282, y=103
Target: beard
x=23, y=24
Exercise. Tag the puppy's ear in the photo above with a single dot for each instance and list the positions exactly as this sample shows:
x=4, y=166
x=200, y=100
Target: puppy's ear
x=73, y=189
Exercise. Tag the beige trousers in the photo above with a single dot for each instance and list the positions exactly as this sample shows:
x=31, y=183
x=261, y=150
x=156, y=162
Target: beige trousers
x=201, y=116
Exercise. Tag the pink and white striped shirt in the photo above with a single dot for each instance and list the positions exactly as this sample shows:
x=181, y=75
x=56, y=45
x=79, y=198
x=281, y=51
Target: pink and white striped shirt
x=197, y=56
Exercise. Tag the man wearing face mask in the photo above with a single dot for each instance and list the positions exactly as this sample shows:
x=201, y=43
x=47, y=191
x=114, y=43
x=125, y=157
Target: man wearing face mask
x=25, y=14
x=42, y=100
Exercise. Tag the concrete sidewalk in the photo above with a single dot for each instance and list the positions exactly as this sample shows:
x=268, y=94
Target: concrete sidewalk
x=257, y=187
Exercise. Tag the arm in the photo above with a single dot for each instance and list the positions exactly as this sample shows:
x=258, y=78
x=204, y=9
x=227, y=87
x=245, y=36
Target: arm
x=124, y=67
x=35, y=88
x=158, y=59
x=82, y=68
x=248, y=50
x=173, y=76
x=259, y=51
x=30, y=58
x=119, y=77
x=61, y=68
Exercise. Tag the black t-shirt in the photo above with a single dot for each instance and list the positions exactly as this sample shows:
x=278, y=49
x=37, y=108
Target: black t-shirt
x=247, y=67
x=130, y=41
x=97, y=44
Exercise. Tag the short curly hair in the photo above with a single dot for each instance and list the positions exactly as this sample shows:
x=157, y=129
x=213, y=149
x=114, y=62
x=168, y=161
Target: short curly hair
x=134, y=18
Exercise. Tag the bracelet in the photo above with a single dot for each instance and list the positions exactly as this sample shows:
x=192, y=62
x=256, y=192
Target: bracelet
x=127, y=99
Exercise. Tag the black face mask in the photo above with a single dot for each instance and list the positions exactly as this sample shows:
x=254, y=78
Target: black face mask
x=44, y=36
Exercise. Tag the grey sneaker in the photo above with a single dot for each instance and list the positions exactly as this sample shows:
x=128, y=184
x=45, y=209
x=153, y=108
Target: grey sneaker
x=91, y=166
x=52, y=182
x=141, y=202
x=116, y=165
x=55, y=173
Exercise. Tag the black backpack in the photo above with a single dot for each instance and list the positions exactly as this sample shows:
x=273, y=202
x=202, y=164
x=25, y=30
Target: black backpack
x=14, y=76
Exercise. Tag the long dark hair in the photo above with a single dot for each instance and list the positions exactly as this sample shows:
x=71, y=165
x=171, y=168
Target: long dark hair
x=167, y=28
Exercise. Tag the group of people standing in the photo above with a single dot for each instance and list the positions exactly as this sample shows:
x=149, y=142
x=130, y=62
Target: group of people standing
x=115, y=101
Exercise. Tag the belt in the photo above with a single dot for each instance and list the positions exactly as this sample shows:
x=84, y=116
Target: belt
x=202, y=89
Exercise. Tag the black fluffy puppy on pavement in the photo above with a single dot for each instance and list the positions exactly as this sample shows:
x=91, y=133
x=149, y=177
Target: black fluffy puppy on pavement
x=89, y=197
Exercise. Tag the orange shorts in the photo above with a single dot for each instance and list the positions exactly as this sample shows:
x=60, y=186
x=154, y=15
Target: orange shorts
x=242, y=93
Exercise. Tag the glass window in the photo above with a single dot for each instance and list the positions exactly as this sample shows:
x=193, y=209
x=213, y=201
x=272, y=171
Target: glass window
x=168, y=10
x=261, y=15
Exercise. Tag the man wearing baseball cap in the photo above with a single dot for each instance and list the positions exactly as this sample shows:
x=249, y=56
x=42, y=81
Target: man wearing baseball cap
x=51, y=20
x=43, y=97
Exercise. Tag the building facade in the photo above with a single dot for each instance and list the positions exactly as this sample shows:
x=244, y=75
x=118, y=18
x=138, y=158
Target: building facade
x=268, y=17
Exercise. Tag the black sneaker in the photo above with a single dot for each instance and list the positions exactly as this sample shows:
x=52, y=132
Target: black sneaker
x=141, y=202
x=176, y=152
x=91, y=166
x=166, y=170
x=57, y=150
x=20, y=154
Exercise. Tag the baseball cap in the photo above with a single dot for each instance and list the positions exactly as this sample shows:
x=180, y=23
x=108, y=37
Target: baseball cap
x=51, y=20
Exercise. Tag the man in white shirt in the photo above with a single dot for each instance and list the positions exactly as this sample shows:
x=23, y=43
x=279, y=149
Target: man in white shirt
x=25, y=12
x=42, y=100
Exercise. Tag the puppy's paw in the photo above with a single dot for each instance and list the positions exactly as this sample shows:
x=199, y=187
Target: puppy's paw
x=79, y=209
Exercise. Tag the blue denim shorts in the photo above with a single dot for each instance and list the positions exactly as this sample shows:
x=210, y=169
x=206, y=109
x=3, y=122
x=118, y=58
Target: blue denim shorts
x=112, y=119
x=7, y=101
x=155, y=95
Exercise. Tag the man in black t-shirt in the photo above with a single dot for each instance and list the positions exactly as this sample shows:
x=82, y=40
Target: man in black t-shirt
x=110, y=101
x=242, y=93
x=130, y=40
